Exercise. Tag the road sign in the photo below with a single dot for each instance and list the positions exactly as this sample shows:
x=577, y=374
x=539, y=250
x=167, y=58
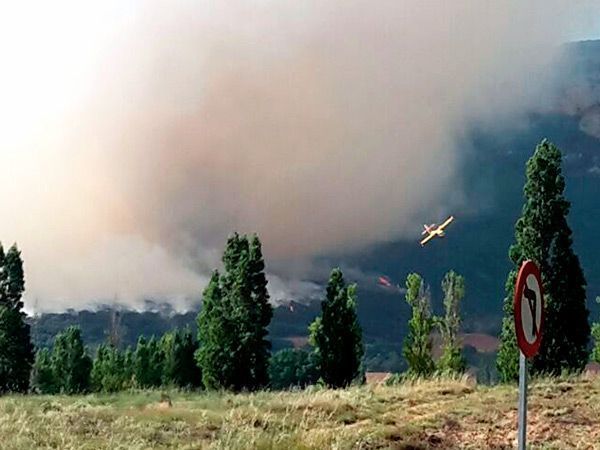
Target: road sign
x=529, y=324
x=529, y=309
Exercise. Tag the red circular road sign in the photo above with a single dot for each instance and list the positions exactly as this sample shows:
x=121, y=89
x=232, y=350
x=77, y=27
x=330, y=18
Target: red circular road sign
x=529, y=309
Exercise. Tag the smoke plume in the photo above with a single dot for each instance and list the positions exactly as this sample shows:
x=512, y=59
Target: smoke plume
x=140, y=134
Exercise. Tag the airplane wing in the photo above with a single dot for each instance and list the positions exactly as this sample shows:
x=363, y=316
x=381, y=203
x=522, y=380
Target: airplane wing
x=427, y=239
x=446, y=223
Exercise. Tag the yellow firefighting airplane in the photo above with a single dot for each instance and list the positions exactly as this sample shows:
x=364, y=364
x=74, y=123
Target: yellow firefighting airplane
x=434, y=230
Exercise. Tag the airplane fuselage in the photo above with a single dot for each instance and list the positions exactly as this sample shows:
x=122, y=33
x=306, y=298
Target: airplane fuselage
x=435, y=230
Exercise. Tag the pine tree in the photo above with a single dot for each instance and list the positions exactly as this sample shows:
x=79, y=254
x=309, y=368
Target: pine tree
x=16, y=349
x=336, y=334
x=42, y=375
x=70, y=363
x=542, y=234
x=452, y=359
x=418, y=343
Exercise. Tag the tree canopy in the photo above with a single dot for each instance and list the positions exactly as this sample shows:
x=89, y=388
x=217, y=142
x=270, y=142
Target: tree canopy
x=336, y=334
x=543, y=235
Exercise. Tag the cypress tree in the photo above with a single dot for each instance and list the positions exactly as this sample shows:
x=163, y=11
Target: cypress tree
x=418, y=343
x=452, y=359
x=16, y=349
x=542, y=234
x=336, y=334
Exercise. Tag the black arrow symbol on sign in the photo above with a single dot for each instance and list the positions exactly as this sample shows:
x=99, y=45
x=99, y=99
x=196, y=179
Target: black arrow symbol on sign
x=532, y=302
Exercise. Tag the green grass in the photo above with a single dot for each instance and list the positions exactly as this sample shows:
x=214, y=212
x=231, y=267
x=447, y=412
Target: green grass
x=442, y=413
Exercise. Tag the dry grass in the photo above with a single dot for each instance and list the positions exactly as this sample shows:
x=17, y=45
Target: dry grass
x=418, y=415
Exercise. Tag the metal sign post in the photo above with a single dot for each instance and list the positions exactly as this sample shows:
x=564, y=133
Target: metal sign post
x=529, y=321
x=522, y=435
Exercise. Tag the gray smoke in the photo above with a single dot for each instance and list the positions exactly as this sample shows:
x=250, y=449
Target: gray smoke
x=325, y=127
x=582, y=100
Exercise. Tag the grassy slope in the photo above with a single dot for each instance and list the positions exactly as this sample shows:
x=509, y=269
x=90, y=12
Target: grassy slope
x=435, y=414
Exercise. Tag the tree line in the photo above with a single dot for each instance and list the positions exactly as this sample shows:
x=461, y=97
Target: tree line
x=232, y=351
x=68, y=368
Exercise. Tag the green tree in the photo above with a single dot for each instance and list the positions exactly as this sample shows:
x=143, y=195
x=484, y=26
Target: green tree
x=418, y=343
x=190, y=375
x=180, y=369
x=452, y=359
x=42, y=374
x=128, y=361
x=156, y=363
x=507, y=361
x=216, y=336
x=259, y=312
x=12, y=278
x=232, y=326
x=16, y=349
x=291, y=368
x=70, y=362
x=596, y=335
x=98, y=371
x=542, y=234
x=336, y=334
x=170, y=346
x=109, y=371
x=141, y=364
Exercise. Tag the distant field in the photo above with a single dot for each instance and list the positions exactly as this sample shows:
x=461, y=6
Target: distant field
x=435, y=414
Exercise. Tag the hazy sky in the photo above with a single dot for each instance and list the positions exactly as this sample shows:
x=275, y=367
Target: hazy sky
x=136, y=135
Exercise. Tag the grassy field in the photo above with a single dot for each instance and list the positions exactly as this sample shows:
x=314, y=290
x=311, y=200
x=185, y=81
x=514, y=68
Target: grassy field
x=437, y=414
